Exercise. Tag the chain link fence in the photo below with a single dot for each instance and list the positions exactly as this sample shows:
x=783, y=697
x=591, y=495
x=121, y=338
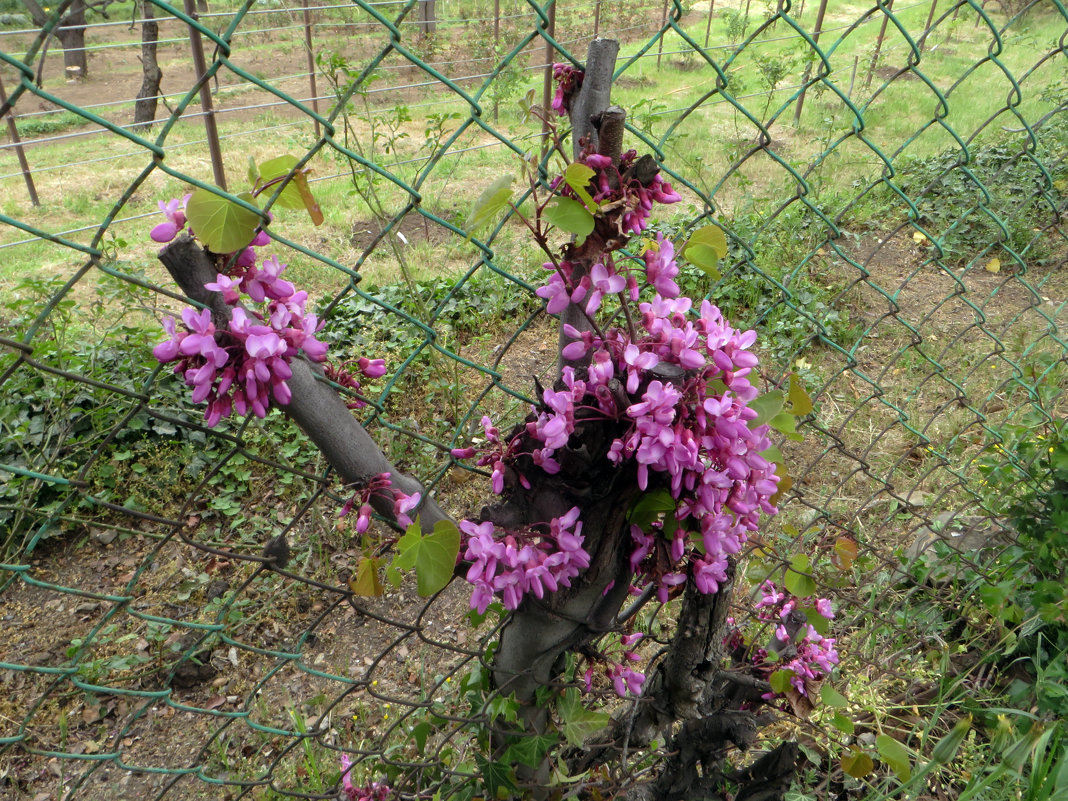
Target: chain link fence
x=892, y=180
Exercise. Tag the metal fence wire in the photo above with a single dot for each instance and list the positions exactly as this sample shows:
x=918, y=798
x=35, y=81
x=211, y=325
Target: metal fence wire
x=892, y=179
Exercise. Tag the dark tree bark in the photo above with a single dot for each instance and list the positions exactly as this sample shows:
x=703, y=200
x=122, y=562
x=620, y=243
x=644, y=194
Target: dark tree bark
x=427, y=17
x=152, y=75
x=70, y=32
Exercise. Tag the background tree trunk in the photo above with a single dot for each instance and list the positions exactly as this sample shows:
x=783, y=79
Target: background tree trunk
x=428, y=21
x=71, y=34
x=152, y=75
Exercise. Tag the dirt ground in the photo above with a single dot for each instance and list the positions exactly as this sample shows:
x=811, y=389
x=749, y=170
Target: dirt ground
x=295, y=655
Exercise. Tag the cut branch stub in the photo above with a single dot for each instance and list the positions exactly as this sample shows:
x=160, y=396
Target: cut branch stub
x=594, y=96
x=315, y=406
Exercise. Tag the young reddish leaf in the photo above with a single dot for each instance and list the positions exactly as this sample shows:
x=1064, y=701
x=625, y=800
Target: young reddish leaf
x=800, y=402
x=366, y=582
x=844, y=554
x=856, y=763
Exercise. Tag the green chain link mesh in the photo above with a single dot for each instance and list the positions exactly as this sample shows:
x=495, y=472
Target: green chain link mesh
x=893, y=182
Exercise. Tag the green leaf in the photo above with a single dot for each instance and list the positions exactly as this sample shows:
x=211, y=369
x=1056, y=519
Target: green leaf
x=705, y=259
x=773, y=455
x=800, y=402
x=831, y=697
x=946, y=748
x=843, y=723
x=496, y=777
x=766, y=406
x=786, y=423
x=578, y=723
x=797, y=582
x=895, y=755
x=253, y=172
x=780, y=680
x=651, y=506
x=821, y=624
x=578, y=177
x=297, y=194
x=220, y=224
x=277, y=168
x=492, y=200
x=710, y=236
x=433, y=556
x=856, y=763
x=419, y=733
x=526, y=102
x=529, y=750
x=569, y=215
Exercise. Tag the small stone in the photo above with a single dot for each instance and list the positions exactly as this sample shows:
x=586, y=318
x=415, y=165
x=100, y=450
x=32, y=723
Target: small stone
x=103, y=536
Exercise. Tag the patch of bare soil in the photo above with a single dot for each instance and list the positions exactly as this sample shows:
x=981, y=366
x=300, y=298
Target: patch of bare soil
x=137, y=665
x=413, y=229
x=909, y=405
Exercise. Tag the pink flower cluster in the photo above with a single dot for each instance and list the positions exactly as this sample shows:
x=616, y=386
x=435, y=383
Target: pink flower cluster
x=243, y=367
x=380, y=485
x=619, y=188
x=568, y=82
x=625, y=680
x=174, y=211
x=516, y=563
x=343, y=376
x=815, y=655
x=692, y=430
x=675, y=392
x=373, y=791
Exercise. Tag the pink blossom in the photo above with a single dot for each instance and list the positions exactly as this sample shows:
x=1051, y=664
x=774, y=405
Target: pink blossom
x=605, y=282
x=660, y=267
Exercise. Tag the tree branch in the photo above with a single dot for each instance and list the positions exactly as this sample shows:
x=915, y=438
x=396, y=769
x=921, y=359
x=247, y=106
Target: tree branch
x=315, y=406
x=587, y=114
